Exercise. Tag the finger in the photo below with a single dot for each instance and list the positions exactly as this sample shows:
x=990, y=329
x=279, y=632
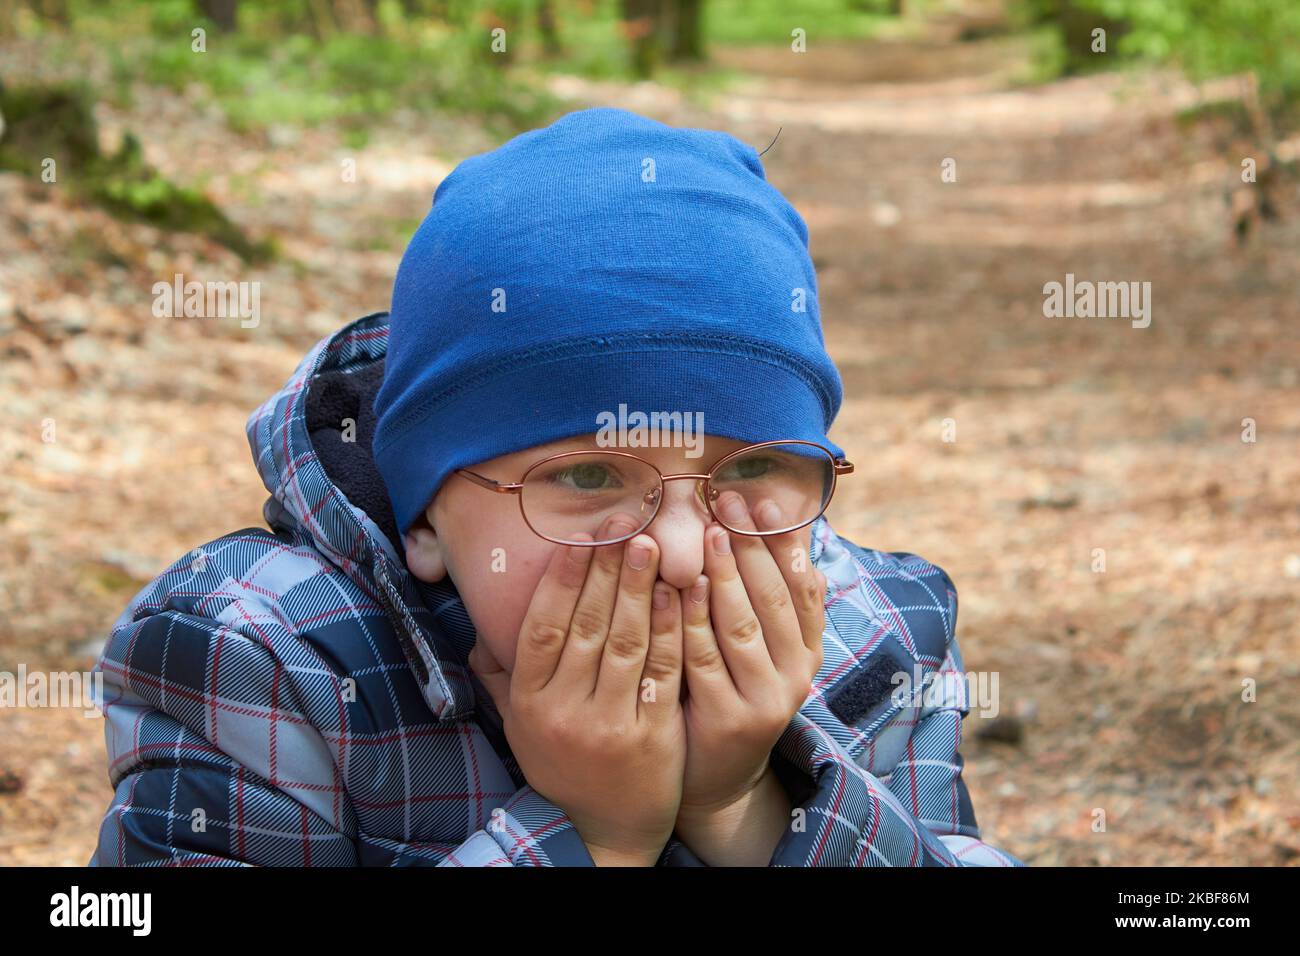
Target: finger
x=704, y=669
x=492, y=676
x=738, y=630
x=769, y=595
x=546, y=625
x=623, y=657
x=580, y=663
x=661, y=681
x=806, y=584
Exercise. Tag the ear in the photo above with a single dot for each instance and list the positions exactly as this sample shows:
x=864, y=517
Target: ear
x=423, y=551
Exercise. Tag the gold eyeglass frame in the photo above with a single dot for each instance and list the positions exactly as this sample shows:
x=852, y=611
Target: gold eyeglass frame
x=841, y=466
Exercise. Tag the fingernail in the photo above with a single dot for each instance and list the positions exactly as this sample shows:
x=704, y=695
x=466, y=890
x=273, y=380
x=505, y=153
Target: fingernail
x=733, y=509
x=638, y=556
x=617, y=527
x=660, y=596
x=700, y=591
x=770, y=514
x=575, y=553
x=722, y=542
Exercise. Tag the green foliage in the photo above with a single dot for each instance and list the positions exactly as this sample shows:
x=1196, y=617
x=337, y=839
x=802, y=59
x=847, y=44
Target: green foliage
x=126, y=185
x=1049, y=57
x=1061, y=36
x=58, y=123
x=172, y=17
x=770, y=21
x=312, y=61
x=41, y=122
x=346, y=77
x=1232, y=114
x=1217, y=37
x=285, y=66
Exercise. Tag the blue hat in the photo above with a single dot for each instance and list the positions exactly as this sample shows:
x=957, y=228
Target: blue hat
x=607, y=259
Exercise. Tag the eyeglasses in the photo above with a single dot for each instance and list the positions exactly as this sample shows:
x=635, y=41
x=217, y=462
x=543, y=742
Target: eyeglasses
x=576, y=492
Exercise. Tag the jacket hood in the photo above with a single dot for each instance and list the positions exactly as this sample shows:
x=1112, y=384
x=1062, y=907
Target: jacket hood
x=311, y=442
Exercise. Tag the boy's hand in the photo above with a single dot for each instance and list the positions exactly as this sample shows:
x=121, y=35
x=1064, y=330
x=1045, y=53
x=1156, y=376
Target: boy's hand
x=592, y=710
x=752, y=645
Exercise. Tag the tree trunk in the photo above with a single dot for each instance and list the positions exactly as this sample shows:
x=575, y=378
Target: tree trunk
x=641, y=25
x=55, y=11
x=354, y=16
x=548, y=27
x=8, y=13
x=323, y=23
x=688, y=30
x=224, y=14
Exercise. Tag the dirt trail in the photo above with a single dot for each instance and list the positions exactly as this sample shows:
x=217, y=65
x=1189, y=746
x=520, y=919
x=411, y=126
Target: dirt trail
x=1072, y=435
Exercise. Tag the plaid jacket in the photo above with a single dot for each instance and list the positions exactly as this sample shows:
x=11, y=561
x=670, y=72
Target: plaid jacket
x=293, y=696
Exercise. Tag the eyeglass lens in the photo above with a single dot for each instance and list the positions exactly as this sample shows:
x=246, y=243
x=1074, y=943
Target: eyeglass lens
x=576, y=494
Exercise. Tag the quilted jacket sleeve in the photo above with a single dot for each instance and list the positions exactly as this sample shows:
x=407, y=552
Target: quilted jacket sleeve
x=154, y=819
x=226, y=728
x=159, y=815
x=193, y=783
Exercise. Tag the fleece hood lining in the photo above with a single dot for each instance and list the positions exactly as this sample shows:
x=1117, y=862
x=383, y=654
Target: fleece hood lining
x=334, y=399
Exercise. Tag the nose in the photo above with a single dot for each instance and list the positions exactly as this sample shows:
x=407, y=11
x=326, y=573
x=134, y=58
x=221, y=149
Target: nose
x=678, y=529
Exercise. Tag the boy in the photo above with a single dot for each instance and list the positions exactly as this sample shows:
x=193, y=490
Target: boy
x=481, y=632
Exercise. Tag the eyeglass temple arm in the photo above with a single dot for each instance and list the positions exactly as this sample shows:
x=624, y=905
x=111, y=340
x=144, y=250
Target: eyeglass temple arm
x=843, y=467
x=503, y=487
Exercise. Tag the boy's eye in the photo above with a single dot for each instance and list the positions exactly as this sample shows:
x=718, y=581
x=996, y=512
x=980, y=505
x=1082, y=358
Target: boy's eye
x=588, y=476
x=746, y=468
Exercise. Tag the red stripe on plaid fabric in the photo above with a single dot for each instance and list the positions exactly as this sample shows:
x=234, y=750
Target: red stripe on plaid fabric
x=287, y=481
x=904, y=633
x=274, y=755
x=356, y=337
x=139, y=754
x=834, y=598
x=523, y=842
x=819, y=687
x=210, y=698
x=202, y=697
x=277, y=548
x=472, y=764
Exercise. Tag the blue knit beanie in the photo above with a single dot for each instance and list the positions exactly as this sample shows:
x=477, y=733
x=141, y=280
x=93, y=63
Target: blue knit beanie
x=607, y=259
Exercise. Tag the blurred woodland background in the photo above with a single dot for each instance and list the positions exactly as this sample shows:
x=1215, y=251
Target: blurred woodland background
x=208, y=139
